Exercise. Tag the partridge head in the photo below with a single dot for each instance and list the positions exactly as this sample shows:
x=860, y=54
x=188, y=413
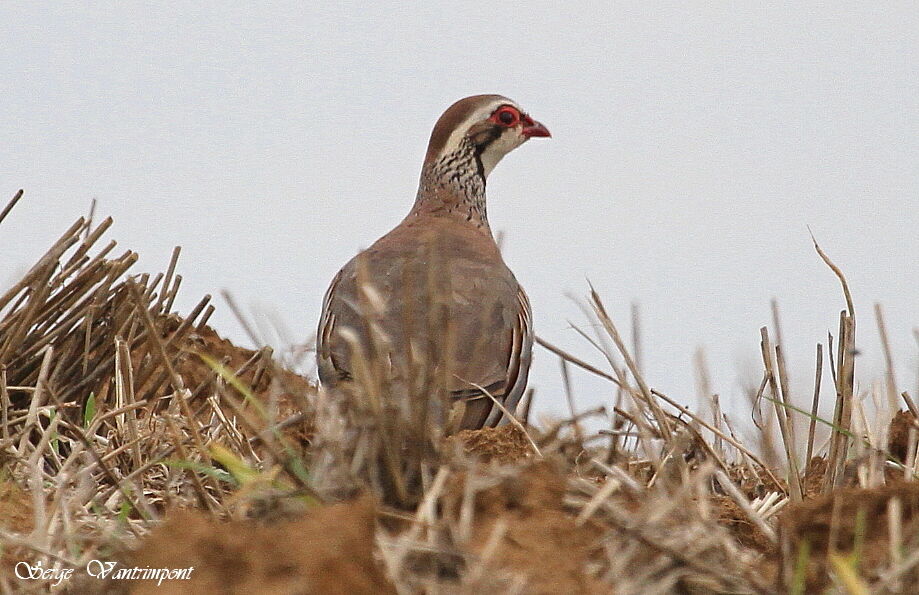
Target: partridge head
x=434, y=292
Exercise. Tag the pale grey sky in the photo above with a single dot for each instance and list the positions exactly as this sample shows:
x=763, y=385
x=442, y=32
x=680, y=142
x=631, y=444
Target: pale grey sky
x=692, y=146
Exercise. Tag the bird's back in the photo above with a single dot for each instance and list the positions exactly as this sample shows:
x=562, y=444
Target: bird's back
x=437, y=293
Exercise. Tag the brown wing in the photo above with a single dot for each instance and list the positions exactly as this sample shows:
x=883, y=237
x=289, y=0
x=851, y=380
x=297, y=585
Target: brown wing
x=330, y=371
x=490, y=314
x=481, y=410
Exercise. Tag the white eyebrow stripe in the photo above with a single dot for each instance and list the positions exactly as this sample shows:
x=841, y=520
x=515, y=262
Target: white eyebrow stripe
x=478, y=115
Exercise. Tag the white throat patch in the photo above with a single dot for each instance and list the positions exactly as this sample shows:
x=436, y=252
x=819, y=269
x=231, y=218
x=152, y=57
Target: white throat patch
x=509, y=140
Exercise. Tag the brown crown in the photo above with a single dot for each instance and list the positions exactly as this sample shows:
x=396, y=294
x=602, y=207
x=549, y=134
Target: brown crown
x=452, y=118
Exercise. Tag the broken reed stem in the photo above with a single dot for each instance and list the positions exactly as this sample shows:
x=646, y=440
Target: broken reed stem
x=782, y=370
x=91, y=215
x=636, y=336
x=831, y=358
x=836, y=270
x=891, y=377
x=845, y=381
x=124, y=392
x=783, y=416
x=705, y=393
x=566, y=382
x=659, y=415
x=812, y=428
x=5, y=404
x=786, y=392
x=576, y=361
x=9, y=206
x=167, y=279
x=37, y=400
x=888, y=358
x=208, y=312
x=243, y=322
x=911, y=455
x=842, y=418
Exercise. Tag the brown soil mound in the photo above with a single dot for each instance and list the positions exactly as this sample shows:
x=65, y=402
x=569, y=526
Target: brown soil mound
x=16, y=516
x=540, y=540
x=267, y=382
x=15, y=508
x=329, y=551
x=850, y=521
x=205, y=340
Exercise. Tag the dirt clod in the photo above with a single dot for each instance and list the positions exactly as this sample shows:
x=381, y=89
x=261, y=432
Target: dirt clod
x=541, y=542
x=852, y=522
x=898, y=437
x=329, y=551
x=738, y=523
x=504, y=444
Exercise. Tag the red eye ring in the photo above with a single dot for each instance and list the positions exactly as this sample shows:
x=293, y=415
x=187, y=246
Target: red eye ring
x=506, y=116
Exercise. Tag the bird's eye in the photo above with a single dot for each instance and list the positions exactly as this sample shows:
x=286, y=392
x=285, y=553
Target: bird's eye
x=507, y=116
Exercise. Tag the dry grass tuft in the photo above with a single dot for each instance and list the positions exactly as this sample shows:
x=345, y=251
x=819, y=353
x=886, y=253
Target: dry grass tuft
x=133, y=434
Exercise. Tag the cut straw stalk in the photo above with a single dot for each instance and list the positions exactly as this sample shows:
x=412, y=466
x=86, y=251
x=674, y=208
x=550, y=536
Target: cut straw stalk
x=815, y=405
x=845, y=381
x=778, y=399
x=9, y=206
x=659, y=415
x=684, y=410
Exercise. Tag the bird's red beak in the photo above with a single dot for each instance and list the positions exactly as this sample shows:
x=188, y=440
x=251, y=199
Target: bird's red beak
x=533, y=128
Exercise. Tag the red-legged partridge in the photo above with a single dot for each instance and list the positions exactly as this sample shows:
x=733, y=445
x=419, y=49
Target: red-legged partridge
x=435, y=288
